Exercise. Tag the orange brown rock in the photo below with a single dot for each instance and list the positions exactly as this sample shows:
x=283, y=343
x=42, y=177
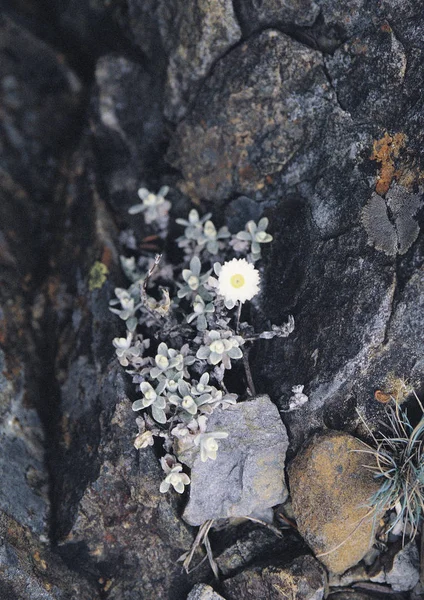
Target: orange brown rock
x=330, y=489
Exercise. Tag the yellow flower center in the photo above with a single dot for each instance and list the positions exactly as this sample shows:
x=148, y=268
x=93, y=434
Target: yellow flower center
x=237, y=280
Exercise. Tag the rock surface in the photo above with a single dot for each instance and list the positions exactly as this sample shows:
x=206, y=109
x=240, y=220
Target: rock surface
x=193, y=34
x=252, y=543
x=29, y=570
x=23, y=493
x=357, y=595
x=201, y=591
x=247, y=123
x=313, y=110
x=330, y=488
x=126, y=93
x=302, y=579
x=37, y=120
x=403, y=574
x=248, y=473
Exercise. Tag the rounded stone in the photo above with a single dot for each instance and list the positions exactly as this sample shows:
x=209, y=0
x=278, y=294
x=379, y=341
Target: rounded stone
x=331, y=487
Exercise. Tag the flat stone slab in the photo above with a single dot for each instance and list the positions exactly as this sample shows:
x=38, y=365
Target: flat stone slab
x=248, y=473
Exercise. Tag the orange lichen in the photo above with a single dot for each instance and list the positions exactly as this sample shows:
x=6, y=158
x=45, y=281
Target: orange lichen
x=41, y=563
x=107, y=257
x=382, y=397
x=385, y=151
x=3, y=331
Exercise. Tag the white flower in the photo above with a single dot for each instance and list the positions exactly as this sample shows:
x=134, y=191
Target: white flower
x=208, y=444
x=238, y=281
x=175, y=478
x=143, y=440
x=174, y=475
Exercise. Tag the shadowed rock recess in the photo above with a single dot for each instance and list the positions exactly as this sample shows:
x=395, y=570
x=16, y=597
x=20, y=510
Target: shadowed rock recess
x=308, y=112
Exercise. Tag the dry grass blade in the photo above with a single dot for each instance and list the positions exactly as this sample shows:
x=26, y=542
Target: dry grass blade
x=201, y=539
x=400, y=468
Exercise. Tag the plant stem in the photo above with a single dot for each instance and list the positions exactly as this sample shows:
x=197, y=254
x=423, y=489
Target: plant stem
x=238, y=317
x=248, y=372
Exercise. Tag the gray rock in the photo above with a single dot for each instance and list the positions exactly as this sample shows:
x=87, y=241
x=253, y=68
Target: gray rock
x=37, y=120
x=29, y=570
x=404, y=573
x=108, y=507
x=370, y=94
x=23, y=493
x=126, y=94
x=358, y=595
x=248, y=473
x=201, y=591
x=255, y=543
x=302, y=579
x=270, y=118
x=256, y=15
x=247, y=122
x=193, y=34
x=198, y=34
x=322, y=24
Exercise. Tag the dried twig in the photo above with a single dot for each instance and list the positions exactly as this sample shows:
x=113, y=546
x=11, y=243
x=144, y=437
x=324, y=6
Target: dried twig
x=272, y=528
x=201, y=538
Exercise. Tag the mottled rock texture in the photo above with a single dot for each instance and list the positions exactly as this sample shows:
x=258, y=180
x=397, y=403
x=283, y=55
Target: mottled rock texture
x=250, y=543
x=248, y=474
x=40, y=99
x=29, y=570
x=302, y=579
x=127, y=126
x=330, y=489
x=192, y=34
x=202, y=591
x=310, y=112
x=403, y=574
x=251, y=101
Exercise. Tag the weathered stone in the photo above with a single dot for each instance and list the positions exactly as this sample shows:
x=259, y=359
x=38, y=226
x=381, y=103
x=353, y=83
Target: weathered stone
x=403, y=574
x=194, y=34
x=372, y=94
x=330, y=488
x=252, y=543
x=302, y=579
x=38, y=118
x=358, y=312
x=247, y=123
x=255, y=15
x=358, y=595
x=30, y=570
x=123, y=519
x=201, y=591
x=23, y=491
x=127, y=125
x=329, y=356
x=201, y=33
x=94, y=26
x=110, y=519
x=248, y=473
x=23, y=470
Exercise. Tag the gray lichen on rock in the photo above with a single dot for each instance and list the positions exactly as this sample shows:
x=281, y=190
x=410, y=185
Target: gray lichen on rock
x=390, y=222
